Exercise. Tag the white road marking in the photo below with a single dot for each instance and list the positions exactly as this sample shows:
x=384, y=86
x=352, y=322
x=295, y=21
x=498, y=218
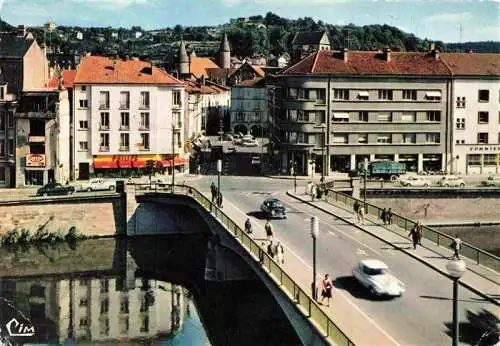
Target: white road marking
x=361, y=252
x=341, y=293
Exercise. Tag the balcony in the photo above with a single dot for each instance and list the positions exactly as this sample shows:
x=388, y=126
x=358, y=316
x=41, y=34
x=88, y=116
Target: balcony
x=103, y=127
x=143, y=148
x=103, y=106
x=124, y=128
x=124, y=106
x=124, y=148
x=144, y=127
x=104, y=148
x=177, y=126
x=177, y=105
x=144, y=106
x=36, y=138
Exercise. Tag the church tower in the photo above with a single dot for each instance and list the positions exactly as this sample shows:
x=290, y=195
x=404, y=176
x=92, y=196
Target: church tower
x=183, y=61
x=224, y=53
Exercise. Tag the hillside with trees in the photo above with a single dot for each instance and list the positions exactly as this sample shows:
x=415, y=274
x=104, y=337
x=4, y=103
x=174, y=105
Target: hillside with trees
x=248, y=37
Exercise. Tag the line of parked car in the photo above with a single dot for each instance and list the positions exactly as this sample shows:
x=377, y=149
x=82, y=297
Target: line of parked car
x=423, y=181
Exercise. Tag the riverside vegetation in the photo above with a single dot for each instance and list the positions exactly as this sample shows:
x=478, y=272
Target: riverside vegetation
x=24, y=236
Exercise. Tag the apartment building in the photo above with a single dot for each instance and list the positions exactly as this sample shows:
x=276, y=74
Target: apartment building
x=475, y=105
x=332, y=110
x=249, y=107
x=126, y=113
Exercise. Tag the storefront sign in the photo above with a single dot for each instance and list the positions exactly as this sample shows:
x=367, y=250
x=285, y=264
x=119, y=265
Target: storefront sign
x=35, y=160
x=490, y=148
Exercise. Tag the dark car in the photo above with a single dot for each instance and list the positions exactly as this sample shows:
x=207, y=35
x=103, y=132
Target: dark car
x=273, y=208
x=55, y=189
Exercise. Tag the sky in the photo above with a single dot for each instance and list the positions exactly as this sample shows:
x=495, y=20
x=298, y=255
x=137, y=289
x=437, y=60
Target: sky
x=444, y=20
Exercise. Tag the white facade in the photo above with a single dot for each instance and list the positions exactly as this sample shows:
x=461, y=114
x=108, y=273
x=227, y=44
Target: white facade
x=249, y=110
x=476, y=126
x=160, y=120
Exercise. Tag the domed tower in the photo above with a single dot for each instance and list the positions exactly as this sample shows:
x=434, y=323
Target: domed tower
x=183, y=61
x=224, y=53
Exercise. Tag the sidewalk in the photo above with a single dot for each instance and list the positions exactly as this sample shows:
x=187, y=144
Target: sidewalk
x=354, y=323
x=479, y=279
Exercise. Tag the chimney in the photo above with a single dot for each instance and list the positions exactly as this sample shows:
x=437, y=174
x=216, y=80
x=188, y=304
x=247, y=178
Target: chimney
x=345, y=53
x=387, y=54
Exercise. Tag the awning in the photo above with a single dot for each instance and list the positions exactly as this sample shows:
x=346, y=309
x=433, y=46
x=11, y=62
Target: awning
x=363, y=94
x=433, y=94
x=341, y=115
x=134, y=161
x=178, y=161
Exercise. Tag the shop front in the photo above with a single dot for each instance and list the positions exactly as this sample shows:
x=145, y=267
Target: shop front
x=477, y=159
x=136, y=165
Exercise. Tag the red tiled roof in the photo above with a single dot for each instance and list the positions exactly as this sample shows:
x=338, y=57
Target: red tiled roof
x=258, y=70
x=208, y=88
x=199, y=66
x=472, y=64
x=248, y=83
x=369, y=63
x=68, y=79
x=100, y=70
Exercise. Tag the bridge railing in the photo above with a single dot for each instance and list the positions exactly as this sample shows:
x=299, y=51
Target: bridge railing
x=303, y=300
x=479, y=256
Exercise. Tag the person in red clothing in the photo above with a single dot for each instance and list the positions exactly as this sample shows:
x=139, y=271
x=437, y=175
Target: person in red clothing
x=326, y=289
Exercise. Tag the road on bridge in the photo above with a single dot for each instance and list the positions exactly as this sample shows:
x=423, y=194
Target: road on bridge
x=420, y=317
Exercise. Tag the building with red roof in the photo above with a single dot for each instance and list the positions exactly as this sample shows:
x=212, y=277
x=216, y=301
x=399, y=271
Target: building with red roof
x=126, y=112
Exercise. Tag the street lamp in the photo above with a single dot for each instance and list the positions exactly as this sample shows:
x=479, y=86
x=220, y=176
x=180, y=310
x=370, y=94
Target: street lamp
x=323, y=126
x=314, y=235
x=455, y=269
x=365, y=166
x=219, y=170
x=294, y=167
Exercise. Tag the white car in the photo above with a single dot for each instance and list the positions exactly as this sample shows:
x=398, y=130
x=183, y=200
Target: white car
x=451, y=180
x=255, y=160
x=415, y=180
x=373, y=274
x=249, y=143
x=98, y=184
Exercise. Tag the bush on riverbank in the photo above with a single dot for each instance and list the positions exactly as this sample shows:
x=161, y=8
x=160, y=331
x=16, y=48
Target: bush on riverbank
x=24, y=236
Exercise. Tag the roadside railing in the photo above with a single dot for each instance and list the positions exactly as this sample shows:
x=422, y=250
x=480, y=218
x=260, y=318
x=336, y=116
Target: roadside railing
x=306, y=304
x=479, y=256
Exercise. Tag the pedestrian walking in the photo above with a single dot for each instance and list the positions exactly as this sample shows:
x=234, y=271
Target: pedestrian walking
x=361, y=215
x=198, y=169
x=308, y=188
x=383, y=216
x=270, y=249
x=456, y=245
x=261, y=253
x=219, y=200
x=389, y=216
x=326, y=289
x=213, y=190
x=414, y=236
x=269, y=230
x=248, y=226
x=280, y=253
x=314, y=191
x=356, y=207
x=420, y=231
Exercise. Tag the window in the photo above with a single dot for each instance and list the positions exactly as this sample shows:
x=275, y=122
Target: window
x=2, y=173
x=104, y=142
x=474, y=159
x=341, y=117
x=363, y=95
x=83, y=302
x=340, y=138
x=2, y=92
x=179, y=142
x=2, y=148
x=83, y=88
x=408, y=117
x=363, y=116
x=124, y=99
x=84, y=103
x=124, y=141
x=84, y=146
x=176, y=98
x=341, y=94
x=176, y=119
x=319, y=95
x=292, y=93
x=484, y=96
x=460, y=102
x=482, y=117
x=433, y=138
x=104, y=100
x=10, y=119
x=363, y=138
x=482, y=138
x=385, y=94
x=3, y=115
x=434, y=116
x=124, y=325
x=384, y=117
x=409, y=94
x=104, y=326
x=124, y=121
x=84, y=124
x=83, y=322
x=384, y=139
x=104, y=286
x=10, y=147
x=124, y=305
x=144, y=122
x=490, y=159
x=433, y=95
x=409, y=138
x=105, y=306
x=104, y=125
x=144, y=100
x=460, y=124
x=145, y=141
x=292, y=115
x=302, y=116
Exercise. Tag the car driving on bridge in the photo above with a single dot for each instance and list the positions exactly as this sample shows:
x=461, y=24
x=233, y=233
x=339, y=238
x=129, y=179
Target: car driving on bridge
x=373, y=274
x=415, y=181
x=273, y=208
x=52, y=189
x=98, y=184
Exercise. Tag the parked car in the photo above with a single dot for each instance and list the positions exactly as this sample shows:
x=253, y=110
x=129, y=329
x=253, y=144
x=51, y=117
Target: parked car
x=51, y=189
x=491, y=181
x=237, y=141
x=415, y=181
x=451, y=180
x=373, y=274
x=249, y=143
x=228, y=137
x=273, y=208
x=247, y=137
x=98, y=184
x=255, y=160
